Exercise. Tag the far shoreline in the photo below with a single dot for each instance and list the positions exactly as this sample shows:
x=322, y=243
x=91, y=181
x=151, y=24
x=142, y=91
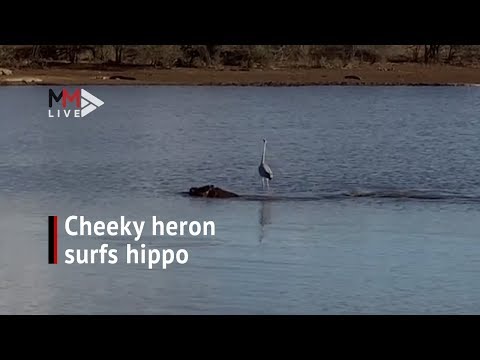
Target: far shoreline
x=403, y=74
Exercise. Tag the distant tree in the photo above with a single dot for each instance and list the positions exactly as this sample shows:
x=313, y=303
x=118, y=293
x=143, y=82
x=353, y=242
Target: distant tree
x=163, y=56
x=35, y=51
x=211, y=53
x=119, y=49
x=193, y=54
x=189, y=53
x=415, y=52
x=431, y=52
x=72, y=52
x=6, y=55
x=92, y=49
x=452, y=49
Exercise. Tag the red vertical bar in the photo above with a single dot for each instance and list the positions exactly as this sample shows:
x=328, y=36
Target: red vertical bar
x=55, y=239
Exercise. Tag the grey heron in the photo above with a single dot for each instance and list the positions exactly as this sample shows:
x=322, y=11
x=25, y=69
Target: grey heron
x=263, y=169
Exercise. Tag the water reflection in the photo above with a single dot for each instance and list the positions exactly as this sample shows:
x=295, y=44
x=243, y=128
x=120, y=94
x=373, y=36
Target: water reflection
x=264, y=217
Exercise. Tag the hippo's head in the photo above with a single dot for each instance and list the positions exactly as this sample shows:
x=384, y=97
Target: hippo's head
x=200, y=191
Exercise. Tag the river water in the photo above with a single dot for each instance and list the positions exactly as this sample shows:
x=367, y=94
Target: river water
x=374, y=207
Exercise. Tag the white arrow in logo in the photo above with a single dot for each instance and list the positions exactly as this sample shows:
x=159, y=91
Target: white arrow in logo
x=89, y=103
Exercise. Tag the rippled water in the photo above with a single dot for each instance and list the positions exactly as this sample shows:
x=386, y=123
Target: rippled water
x=374, y=206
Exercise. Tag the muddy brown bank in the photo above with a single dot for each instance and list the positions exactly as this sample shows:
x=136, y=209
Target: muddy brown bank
x=383, y=75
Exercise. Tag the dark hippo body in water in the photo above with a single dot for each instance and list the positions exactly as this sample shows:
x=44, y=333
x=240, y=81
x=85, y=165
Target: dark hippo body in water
x=211, y=191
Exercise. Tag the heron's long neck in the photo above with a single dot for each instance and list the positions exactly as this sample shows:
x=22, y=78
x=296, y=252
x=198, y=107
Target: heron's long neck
x=263, y=153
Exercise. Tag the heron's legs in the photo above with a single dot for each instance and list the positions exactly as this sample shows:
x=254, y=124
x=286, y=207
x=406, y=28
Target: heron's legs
x=263, y=182
x=268, y=183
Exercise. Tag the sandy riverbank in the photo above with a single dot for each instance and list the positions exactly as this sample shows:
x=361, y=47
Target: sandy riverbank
x=385, y=74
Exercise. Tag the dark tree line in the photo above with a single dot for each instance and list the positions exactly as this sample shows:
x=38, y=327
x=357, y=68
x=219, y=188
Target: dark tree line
x=248, y=56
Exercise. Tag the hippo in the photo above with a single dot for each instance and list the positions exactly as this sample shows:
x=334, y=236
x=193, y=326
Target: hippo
x=211, y=191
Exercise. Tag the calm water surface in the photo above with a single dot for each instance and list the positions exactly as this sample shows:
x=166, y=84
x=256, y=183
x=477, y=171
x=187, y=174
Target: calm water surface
x=409, y=244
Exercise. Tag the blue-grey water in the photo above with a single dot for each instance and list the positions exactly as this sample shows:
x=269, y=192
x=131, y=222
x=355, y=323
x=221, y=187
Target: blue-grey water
x=409, y=244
